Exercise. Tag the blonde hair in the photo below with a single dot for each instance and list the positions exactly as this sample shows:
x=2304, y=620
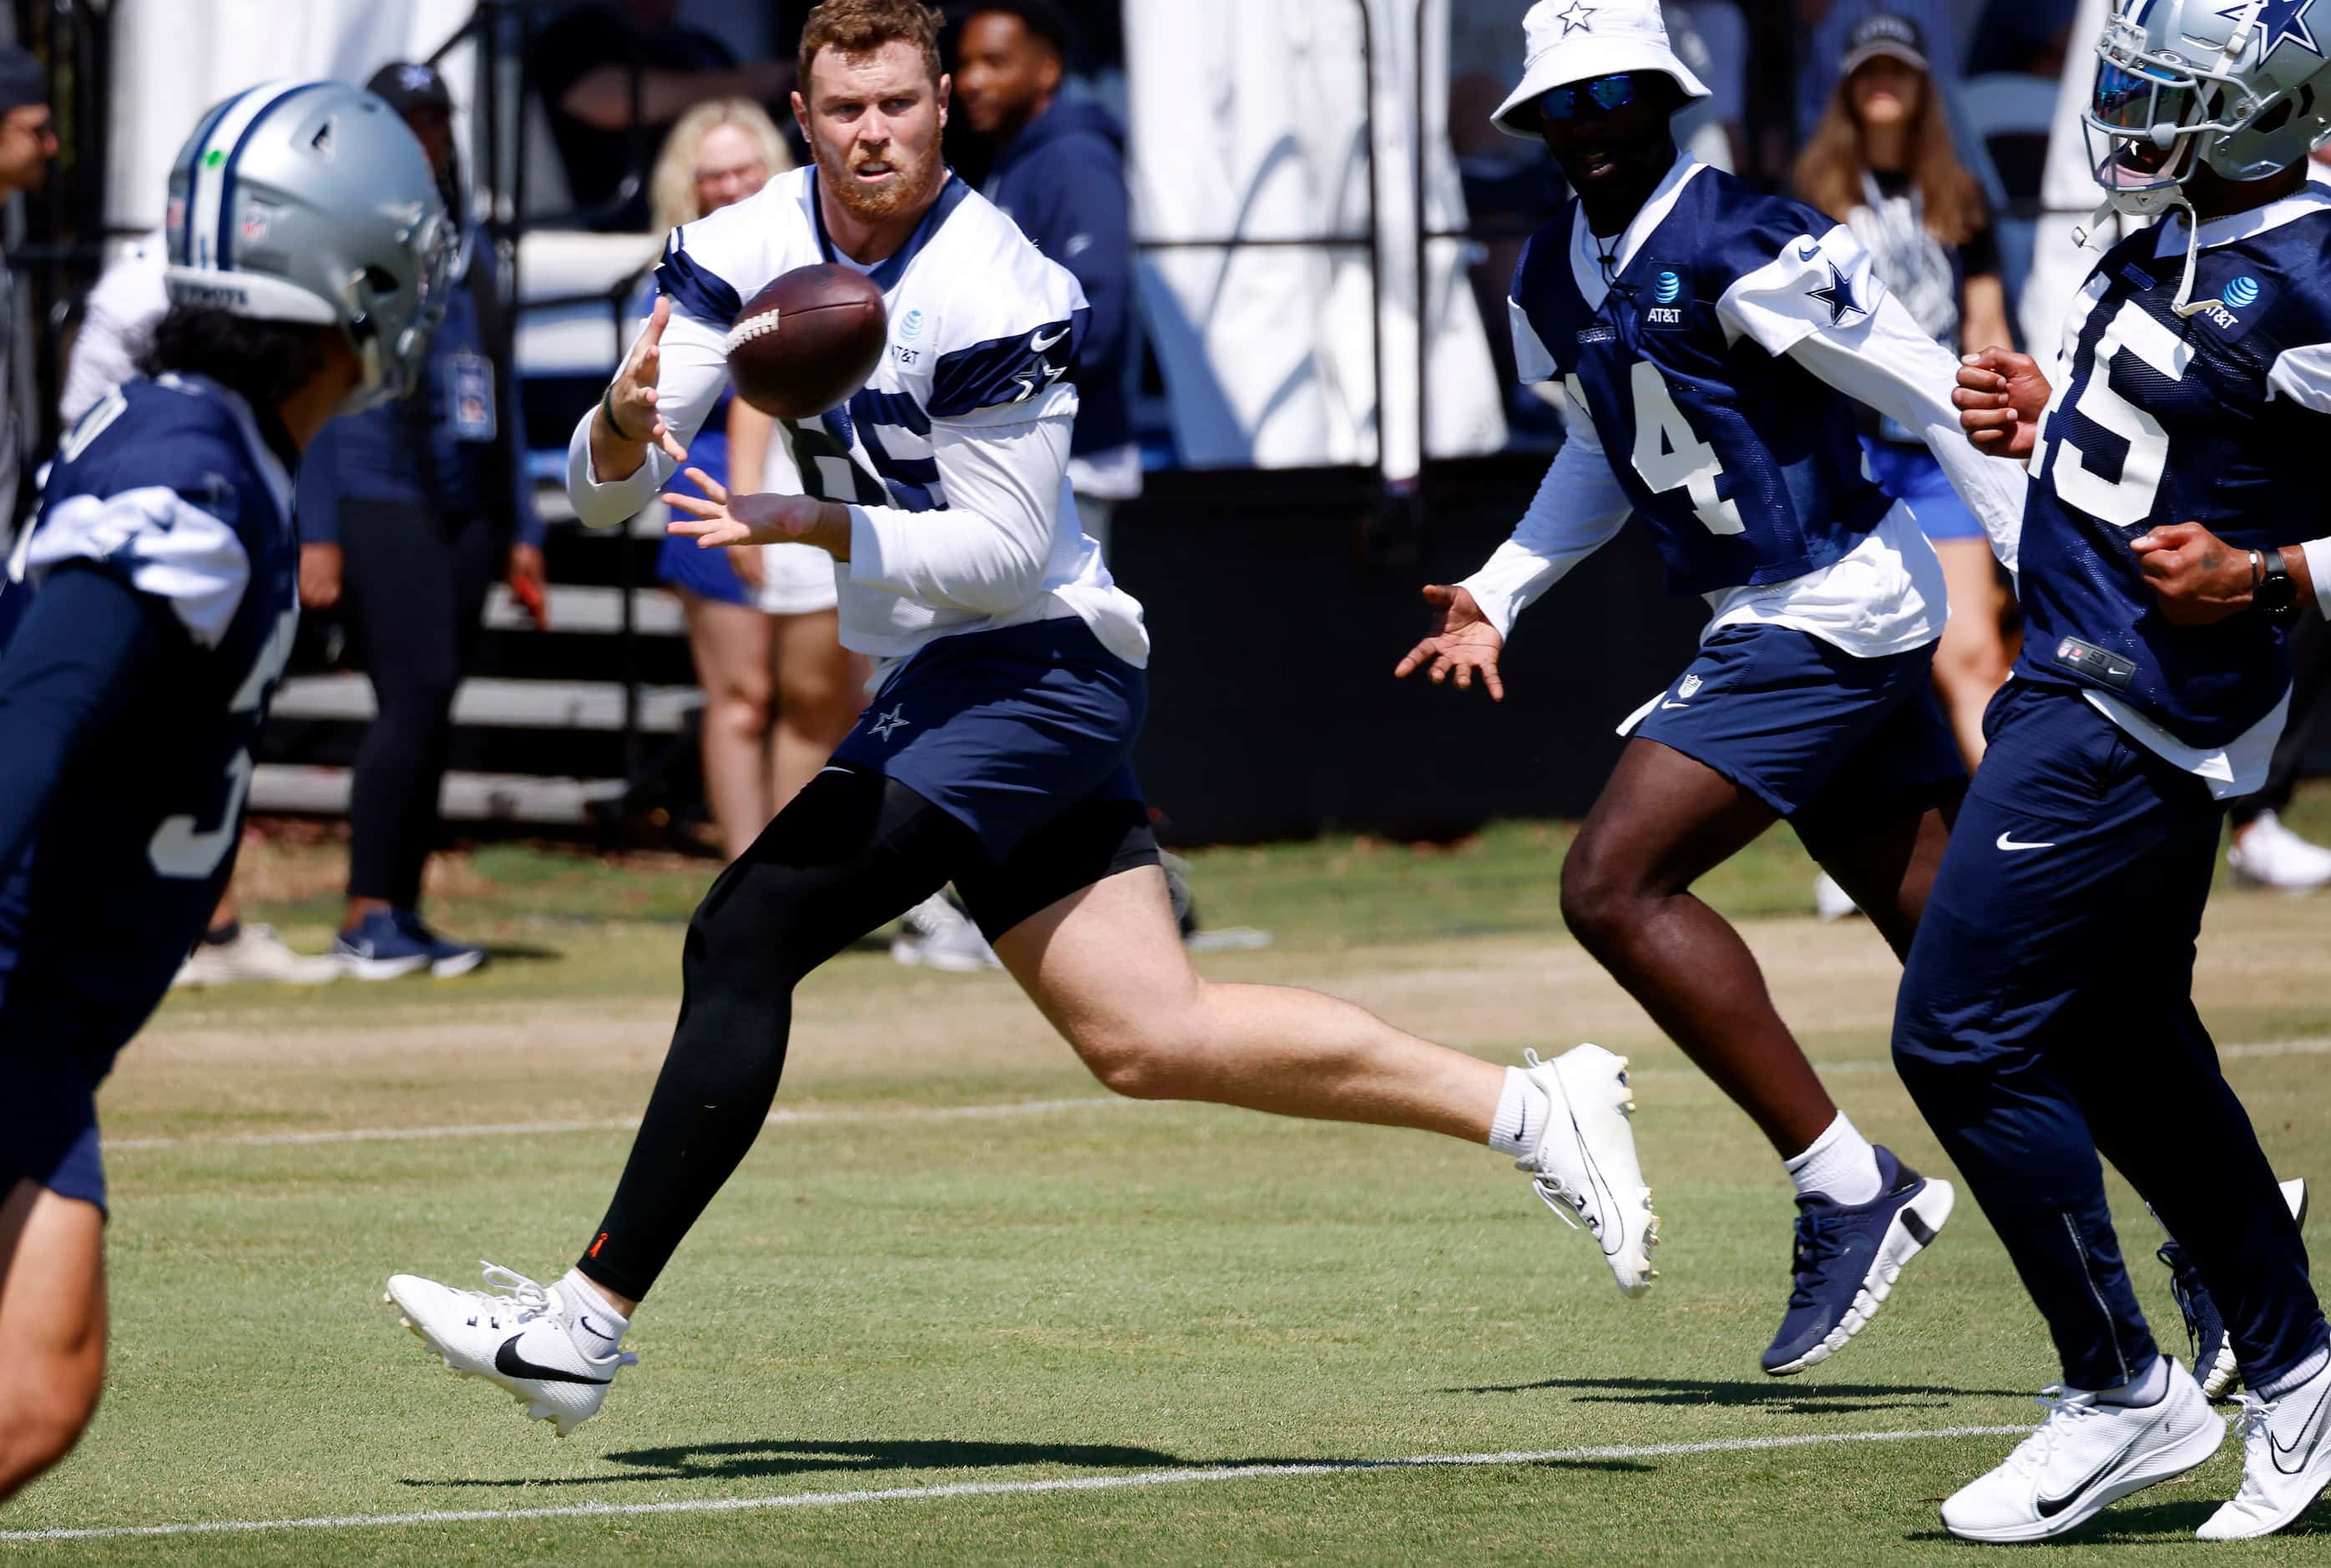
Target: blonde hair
x=672, y=186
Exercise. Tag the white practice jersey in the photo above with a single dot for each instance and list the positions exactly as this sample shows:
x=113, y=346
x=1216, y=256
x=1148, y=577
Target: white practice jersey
x=953, y=458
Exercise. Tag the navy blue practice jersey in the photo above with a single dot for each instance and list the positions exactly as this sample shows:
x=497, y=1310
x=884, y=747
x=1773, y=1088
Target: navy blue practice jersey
x=2216, y=418
x=167, y=487
x=1745, y=466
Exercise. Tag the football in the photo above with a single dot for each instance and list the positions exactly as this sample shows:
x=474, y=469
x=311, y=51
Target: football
x=807, y=341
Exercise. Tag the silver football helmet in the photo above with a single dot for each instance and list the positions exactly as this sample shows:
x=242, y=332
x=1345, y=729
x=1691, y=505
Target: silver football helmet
x=2243, y=87
x=311, y=201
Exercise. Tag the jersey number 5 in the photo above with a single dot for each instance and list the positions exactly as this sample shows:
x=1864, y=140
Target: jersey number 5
x=2127, y=500
x=1669, y=455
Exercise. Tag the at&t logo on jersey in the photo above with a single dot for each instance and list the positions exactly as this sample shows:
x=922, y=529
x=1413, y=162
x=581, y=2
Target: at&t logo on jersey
x=2239, y=294
x=1670, y=296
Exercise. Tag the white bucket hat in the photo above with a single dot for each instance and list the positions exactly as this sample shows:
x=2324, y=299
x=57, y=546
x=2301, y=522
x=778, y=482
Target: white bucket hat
x=1576, y=40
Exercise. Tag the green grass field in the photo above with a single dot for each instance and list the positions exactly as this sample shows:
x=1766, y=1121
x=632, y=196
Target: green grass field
x=960, y=1306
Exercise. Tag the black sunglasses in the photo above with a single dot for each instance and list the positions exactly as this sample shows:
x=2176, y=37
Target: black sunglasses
x=1608, y=92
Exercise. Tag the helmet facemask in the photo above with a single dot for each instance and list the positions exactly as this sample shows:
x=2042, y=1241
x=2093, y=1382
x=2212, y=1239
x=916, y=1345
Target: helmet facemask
x=389, y=323
x=2151, y=118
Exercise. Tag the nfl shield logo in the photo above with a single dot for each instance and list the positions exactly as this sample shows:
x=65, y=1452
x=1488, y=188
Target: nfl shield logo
x=1689, y=684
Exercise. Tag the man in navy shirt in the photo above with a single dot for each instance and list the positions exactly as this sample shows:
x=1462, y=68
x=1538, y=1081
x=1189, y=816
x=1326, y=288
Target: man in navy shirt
x=1060, y=174
x=162, y=574
x=2046, y=1013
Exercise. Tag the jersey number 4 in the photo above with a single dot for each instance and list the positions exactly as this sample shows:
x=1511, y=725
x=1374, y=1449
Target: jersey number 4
x=1668, y=454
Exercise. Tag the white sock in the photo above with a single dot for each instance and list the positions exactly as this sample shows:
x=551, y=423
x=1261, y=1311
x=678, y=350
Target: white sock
x=597, y=1328
x=1520, y=1121
x=2147, y=1387
x=2310, y=1368
x=1840, y=1165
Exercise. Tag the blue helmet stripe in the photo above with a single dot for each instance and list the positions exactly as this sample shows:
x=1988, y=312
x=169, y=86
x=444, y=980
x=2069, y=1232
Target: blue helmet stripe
x=225, y=262
x=182, y=238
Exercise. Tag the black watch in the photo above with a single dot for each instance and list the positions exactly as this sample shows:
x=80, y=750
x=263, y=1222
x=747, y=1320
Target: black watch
x=2277, y=592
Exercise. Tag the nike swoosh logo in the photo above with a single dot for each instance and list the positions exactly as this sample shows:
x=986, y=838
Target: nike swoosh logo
x=1038, y=345
x=510, y=1363
x=2010, y=846
x=1666, y=704
x=2050, y=1506
x=1807, y=250
x=2276, y=1443
x=594, y=1332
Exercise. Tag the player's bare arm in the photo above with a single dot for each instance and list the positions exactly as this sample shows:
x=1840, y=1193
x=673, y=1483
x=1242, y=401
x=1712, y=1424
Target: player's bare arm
x=2200, y=579
x=1462, y=643
x=727, y=519
x=629, y=421
x=2000, y=397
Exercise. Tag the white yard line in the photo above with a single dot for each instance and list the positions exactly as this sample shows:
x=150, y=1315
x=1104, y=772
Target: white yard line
x=2317, y=1046
x=1174, y=1477
x=619, y=1124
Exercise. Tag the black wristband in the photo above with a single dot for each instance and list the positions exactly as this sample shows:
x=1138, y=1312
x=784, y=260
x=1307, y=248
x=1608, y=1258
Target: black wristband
x=607, y=413
x=2277, y=592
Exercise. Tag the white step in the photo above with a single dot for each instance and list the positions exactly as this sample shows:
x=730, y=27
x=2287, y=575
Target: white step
x=500, y=704
x=472, y=797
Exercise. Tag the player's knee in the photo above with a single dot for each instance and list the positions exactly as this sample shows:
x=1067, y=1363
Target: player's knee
x=815, y=705
x=1142, y=1061
x=1596, y=897
x=738, y=710
x=1970, y=664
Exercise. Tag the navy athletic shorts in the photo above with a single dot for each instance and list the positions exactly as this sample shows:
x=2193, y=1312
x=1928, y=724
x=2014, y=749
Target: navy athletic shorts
x=1007, y=730
x=1829, y=741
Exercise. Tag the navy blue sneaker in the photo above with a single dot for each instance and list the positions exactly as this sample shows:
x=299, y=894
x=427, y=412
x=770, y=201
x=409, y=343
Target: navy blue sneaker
x=378, y=948
x=1848, y=1258
x=447, y=959
x=2205, y=1331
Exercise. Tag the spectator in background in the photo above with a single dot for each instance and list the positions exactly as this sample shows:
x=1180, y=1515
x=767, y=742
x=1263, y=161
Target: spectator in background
x=27, y=142
x=762, y=622
x=1059, y=174
x=583, y=62
x=1881, y=162
x=117, y=329
x=406, y=514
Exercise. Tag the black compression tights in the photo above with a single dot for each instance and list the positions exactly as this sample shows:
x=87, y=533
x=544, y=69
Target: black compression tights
x=854, y=852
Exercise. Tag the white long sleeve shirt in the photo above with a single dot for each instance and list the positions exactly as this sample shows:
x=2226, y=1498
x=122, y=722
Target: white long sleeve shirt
x=952, y=460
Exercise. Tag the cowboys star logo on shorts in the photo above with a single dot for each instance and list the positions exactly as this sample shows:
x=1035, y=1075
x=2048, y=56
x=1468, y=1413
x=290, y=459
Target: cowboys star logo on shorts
x=887, y=725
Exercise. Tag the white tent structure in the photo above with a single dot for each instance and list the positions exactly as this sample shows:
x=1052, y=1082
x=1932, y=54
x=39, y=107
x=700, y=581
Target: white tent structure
x=1256, y=123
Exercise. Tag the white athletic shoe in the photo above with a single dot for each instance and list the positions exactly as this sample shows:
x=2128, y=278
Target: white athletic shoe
x=257, y=952
x=2266, y=854
x=2285, y=1461
x=520, y=1341
x=937, y=933
x=2084, y=1457
x=1586, y=1165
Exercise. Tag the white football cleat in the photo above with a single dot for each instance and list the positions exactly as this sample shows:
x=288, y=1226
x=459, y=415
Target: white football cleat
x=2285, y=1461
x=1584, y=1164
x=2267, y=854
x=936, y=934
x=2084, y=1457
x=257, y=952
x=520, y=1341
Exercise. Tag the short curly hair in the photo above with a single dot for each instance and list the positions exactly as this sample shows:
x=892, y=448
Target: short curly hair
x=861, y=27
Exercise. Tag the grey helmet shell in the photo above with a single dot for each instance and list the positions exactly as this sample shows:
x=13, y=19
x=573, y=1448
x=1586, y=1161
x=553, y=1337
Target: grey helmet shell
x=2246, y=83
x=311, y=201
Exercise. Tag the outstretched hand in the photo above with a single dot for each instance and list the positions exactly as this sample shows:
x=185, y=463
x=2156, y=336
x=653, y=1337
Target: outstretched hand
x=1999, y=396
x=618, y=448
x=755, y=520
x=1462, y=642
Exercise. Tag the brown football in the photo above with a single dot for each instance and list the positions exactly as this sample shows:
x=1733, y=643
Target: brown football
x=806, y=342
